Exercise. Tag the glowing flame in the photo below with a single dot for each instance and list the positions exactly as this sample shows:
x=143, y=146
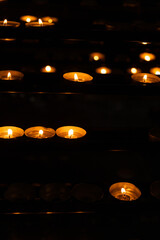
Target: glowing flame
x=75, y=77
x=9, y=75
x=96, y=58
x=28, y=20
x=70, y=133
x=147, y=58
x=40, y=133
x=50, y=20
x=145, y=77
x=48, y=68
x=10, y=132
x=133, y=70
x=40, y=21
x=5, y=22
x=103, y=71
x=157, y=73
x=144, y=43
x=123, y=190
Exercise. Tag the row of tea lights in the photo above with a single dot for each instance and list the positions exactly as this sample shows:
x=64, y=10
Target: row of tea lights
x=39, y=132
x=30, y=21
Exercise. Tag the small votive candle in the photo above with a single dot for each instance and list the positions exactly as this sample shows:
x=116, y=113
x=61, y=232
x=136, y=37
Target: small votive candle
x=125, y=191
x=39, y=24
x=96, y=56
x=155, y=70
x=8, y=132
x=48, y=69
x=11, y=75
x=28, y=18
x=50, y=19
x=133, y=70
x=147, y=56
x=145, y=78
x=6, y=23
x=70, y=132
x=103, y=70
x=78, y=77
x=40, y=132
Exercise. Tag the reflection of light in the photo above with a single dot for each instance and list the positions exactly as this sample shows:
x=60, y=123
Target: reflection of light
x=70, y=133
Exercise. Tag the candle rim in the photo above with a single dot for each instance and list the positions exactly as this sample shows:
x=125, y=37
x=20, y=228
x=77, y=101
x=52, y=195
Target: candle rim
x=138, y=76
x=14, y=129
x=65, y=129
x=70, y=76
x=15, y=23
x=30, y=130
x=14, y=73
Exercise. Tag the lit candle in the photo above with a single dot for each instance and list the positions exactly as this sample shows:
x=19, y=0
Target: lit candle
x=70, y=132
x=28, y=18
x=48, y=69
x=7, y=23
x=38, y=24
x=103, y=70
x=125, y=191
x=155, y=70
x=134, y=70
x=147, y=56
x=11, y=75
x=50, y=19
x=9, y=132
x=96, y=56
x=145, y=78
x=40, y=132
x=78, y=77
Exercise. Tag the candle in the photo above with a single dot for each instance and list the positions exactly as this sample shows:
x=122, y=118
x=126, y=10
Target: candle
x=7, y=23
x=7, y=39
x=40, y=132
x=48, y=69
x=50, y=19
x=96, y=56
x=103, y=70
x=147, y=56
x=145, y=78
x=134, y=70
x=124, y=191
x=11, y=75
x=155, y=70
x=8, y=132
x=78, y=77
x=70, y=132
x=39, y=24
x=28, y=18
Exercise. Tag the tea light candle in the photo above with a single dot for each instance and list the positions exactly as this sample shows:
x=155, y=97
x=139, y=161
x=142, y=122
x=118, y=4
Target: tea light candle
x=40, y=132
x=11, y=75
x=96, y=56
x=125, y=191
x=103, y=70
x=50, y=19
x=70, y=132
x=133, y=70
x=78, y=77
x=155, y=70
x=7, y=23
x=48, y=69
x=145, y=78
x=8, y=132
x=28, y=18
x=39, y=24
x=147, y=56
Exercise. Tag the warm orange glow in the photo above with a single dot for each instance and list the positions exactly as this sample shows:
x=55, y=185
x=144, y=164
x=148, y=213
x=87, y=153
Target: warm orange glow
x=48, y=68
x=40, y=133
x=70, y=133
x=123, y=191
x=78, y=77
x=96, y=58
x=5, y=22
x=9, y=75
x=144, y=43
x=75, y=77
x=133, y=70
x=145, y=77
x=28, y=20
x=40, y=21
x=10, y=132
x=155, y=70
x=147, y=56
x=103, y=70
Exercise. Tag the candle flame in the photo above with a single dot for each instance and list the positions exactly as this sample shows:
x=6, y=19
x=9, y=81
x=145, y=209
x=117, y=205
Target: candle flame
x=144, y=43
x=96, y=58
x=133, y=70
x=9, y=75
x=145, y=77
x=40, y=133
x=10, y=132
x=123, y=190
x=50, y=20
x=70, y=133
x=103, y=71
x=5, y=22
x=157, y=73
x=28, y=20
x=40, y=21
x=147, y=58
x=48, y=68
x=75, y=77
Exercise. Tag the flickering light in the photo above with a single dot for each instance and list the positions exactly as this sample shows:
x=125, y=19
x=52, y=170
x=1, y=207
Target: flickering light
x=48, y=69
x=50, y=19
x=155, y=70
x=103, y=70
x=134, y=70
x=70, y=132
x=9, y=132
x=125, y=191
x=6, y=23
x=78, y=77
x=145, y=78
x=39, y=23
x=147, y=56
x=11, y=75
x=28, y=18
x=40, y=132
x=96, y=56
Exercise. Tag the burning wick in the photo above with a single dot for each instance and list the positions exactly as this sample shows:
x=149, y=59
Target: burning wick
x=75, y=77
x=10, y=132
x=48, y=68
x=70, y=133
x=40, y=22
x=145, y=78
x=5, y=22
x=96, y=58
x=147, y=58
x=28, y=20
x=123, y=191
x=103, y=71
x=9, y=76
x=40, y=133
